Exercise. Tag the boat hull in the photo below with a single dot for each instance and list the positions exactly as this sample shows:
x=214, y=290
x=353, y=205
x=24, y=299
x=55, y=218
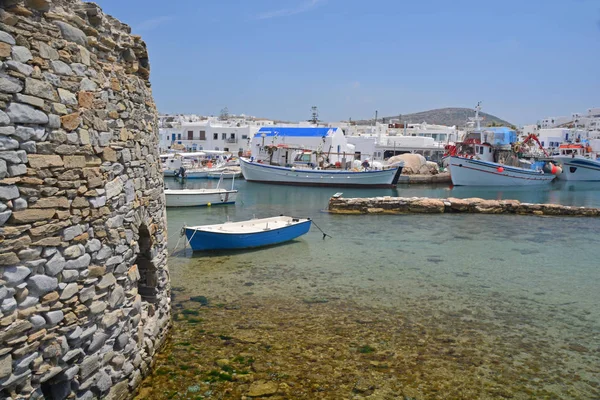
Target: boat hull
x=199, y=197
x=201, y=240
x=255, y=172
x=224, y=175
x=578, y=169
x=471, y=172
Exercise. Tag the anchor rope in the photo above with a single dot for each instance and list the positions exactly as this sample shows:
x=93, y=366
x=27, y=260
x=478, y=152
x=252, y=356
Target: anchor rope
x=317, y=226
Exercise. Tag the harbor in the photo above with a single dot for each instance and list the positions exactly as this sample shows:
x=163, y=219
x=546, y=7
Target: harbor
x=389, y=305
x=403, y=242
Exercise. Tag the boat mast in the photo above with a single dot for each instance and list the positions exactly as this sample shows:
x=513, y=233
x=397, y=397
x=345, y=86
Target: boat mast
x=477, y=121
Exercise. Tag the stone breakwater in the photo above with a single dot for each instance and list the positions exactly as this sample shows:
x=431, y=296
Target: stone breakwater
x=423, y=205
x=84, y=286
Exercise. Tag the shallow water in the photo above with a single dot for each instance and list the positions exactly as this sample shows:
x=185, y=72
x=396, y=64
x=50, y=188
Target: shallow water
x=453, y=306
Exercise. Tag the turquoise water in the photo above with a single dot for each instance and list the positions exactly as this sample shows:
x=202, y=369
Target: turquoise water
x=527, y=286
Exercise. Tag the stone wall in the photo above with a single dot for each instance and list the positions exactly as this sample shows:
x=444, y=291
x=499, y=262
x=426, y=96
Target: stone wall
x=84, y=287
x=474, y=205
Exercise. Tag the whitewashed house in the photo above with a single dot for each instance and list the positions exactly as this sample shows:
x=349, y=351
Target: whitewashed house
x=211, y=133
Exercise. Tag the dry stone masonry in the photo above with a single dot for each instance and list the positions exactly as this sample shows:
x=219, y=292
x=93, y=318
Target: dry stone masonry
x=84, y=287
x=424, y=205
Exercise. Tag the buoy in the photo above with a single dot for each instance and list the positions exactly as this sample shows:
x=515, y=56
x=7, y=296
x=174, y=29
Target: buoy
x=500, y=169
x=208, y=204
x=555, y=170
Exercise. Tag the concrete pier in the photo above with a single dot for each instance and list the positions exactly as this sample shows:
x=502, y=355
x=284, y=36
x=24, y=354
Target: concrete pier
x=424, y=205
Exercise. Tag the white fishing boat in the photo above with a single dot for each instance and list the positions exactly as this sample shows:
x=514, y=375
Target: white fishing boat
x=487, y=158
x=260, y=172
x=578, y=162
x=195, y=165
x=200, y=197
x=473, y=172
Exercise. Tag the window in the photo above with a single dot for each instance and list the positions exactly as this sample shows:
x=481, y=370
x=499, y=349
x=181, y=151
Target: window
x=215, y=136
x=244, y=136
x=226, y=149
x=216, y=148
x=223, y=136
x=190, y=135
x=179, y=136
x=202, y=135
x=233, y=135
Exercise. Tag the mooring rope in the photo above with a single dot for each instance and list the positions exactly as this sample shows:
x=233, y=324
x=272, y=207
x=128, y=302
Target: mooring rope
x=317, y=226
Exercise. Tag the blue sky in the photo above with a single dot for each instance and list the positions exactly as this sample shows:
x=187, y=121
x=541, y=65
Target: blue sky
x=524, y=59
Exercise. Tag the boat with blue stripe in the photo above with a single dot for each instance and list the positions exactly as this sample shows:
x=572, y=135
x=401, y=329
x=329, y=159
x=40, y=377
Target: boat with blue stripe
x=246, y=234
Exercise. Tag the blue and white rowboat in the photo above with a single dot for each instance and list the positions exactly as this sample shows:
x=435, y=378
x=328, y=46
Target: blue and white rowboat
x=246, y=234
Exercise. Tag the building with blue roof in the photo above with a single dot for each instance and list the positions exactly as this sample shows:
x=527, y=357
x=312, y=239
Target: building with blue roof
x=281, y=143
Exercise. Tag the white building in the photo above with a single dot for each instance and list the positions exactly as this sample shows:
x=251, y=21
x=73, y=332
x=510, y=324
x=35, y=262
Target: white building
x=210, y=133
x=551, y=138
x=588, y=121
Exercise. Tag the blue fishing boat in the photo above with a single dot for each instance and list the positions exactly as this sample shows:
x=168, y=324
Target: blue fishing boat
x=246, y=234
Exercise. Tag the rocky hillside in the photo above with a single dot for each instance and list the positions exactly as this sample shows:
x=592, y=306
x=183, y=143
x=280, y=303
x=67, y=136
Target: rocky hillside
x=444, y=116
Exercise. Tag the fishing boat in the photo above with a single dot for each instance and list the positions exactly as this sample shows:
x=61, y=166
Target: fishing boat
x=200, y=197
x=246, y=234
x=226, y=173
x=488, y=158
x=259, y=172
x=578, y=162
x=195, y=165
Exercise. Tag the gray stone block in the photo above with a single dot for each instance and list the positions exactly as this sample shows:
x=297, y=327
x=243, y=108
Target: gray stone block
x=79, y=263
x=7, y=143
x=9, y=84
x=54, y=317
x=69, y=291
x=21, y=54
x=61, y=68
x=19, y=67
x=15, y=275
x=41, y=284
x=8, y=192
x=7, y=38
x=25, y=114
x=55, y=265
x=72, y=231
x=37, y=321
x=71, y=33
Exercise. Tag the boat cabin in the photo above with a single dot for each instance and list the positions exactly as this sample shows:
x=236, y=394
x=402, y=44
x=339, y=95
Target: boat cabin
x=279, y=145
x=575, y=149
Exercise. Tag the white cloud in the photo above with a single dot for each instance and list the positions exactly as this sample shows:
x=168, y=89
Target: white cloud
x=286, y=12
x=153, y=23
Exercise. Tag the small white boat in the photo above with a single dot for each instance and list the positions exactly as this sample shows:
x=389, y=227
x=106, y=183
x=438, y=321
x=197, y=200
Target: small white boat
x=227, y=173
x=200, y=197
x=246, y=234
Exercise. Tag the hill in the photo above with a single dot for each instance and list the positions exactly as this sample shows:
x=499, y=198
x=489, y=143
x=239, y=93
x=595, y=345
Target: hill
x=444, y=116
